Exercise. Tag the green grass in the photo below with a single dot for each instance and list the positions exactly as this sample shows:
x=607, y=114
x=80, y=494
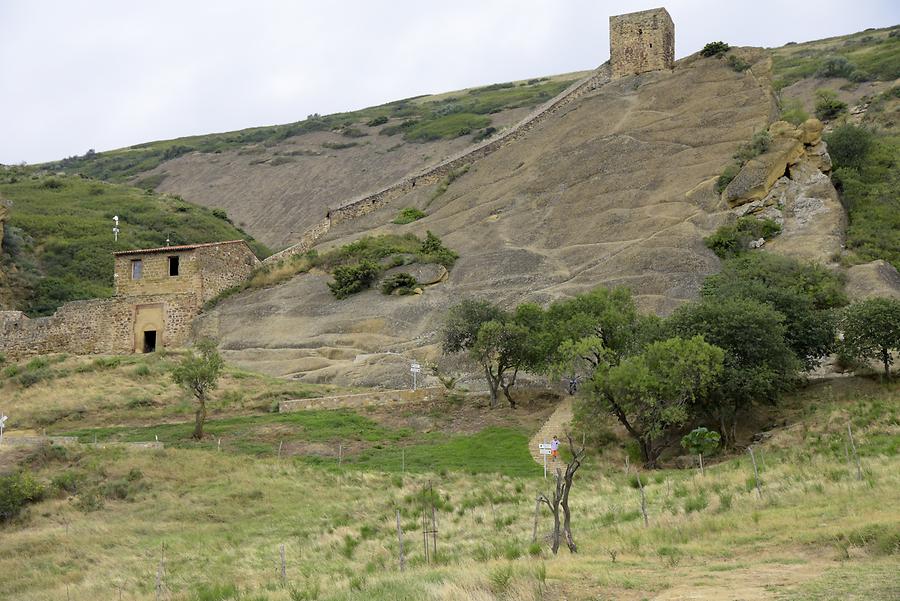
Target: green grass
x=60, y=233
x=493, y=450
x=873, y=54
x=871, y=195
x=307, y=426
x=408, y=215
x=446, y=127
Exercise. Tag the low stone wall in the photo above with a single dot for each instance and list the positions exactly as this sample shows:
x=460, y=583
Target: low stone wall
x=370, y=202
x=365, y=399
x=36, y=441
x=93, y=326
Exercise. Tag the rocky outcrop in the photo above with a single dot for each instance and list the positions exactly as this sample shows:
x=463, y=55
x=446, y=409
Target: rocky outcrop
x=875, y=279
x=789, y=184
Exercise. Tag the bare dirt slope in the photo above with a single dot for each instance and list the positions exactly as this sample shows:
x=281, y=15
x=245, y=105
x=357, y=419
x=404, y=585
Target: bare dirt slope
x=276, y=191
x=616, y=189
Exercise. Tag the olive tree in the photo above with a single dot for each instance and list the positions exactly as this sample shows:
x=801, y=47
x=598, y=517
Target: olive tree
x=652, y=393
x=199, y=373
x=872, y=331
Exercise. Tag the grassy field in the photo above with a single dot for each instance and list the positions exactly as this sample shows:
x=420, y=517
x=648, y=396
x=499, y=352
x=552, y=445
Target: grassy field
x=60, y=238
x=217, y=519
x=873, y=54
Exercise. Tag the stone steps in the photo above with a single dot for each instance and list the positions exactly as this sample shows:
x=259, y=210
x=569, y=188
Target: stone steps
x=556, y=424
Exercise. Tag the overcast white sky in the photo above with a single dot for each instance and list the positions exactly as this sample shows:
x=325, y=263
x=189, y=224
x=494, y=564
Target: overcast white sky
x=110, y=73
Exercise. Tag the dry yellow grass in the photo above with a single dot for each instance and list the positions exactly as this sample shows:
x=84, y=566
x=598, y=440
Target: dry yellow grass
x=218, y=520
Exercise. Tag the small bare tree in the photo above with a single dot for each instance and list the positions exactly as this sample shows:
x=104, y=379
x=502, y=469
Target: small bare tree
x=560, y=499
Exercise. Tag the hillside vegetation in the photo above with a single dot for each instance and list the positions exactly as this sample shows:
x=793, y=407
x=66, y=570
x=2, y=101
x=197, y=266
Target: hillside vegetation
x=829, y=78
x=59, y=241
x=419, y=119
x=202, y=522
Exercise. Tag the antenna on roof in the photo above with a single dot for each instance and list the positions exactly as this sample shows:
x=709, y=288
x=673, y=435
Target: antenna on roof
x=116, y=227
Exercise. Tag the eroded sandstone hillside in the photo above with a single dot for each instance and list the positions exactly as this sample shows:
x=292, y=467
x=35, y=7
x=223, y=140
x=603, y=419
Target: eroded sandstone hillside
x=617, y=188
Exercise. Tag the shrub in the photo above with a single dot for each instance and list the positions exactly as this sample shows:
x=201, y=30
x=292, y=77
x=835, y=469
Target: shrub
x=849, y=145
x=16, y=491
x=379, y=120
x=352, y=132
x=434, y=251
x=836, y=66
x=51, y=183
x=828, y=106
x=696, y=503
x=714, y=49
x=403, y=283
x=350, y=279
x=792, y=112
x=408, y=215
x=758, y=144
x=727, y=176
x=733, y=239
x=484, y=134
x=737, y=63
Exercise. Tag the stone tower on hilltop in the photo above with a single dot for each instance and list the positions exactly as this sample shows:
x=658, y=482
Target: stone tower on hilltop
x=640, y=42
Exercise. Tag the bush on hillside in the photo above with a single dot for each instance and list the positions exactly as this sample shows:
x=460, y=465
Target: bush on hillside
x=849, y=144
x=728, y=174
x=836, y=66
x=16, y=491
x=350, y=279
x=733, y=239
x=737, y=63
x=714, y=49
x=792, y=111
x=828, y=106
x=403, y=283
x=376, y=121
x=434, y=251
x=408, y=215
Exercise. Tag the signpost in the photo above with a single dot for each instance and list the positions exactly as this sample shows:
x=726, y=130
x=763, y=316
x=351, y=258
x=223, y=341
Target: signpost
x=544, y=448
x=3, y=419
x=415, y=369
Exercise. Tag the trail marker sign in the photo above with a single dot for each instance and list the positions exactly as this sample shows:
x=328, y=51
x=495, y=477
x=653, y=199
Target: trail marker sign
x=415, y=369
x=3, y=419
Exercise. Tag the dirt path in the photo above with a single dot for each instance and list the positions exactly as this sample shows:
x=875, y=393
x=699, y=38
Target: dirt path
x=752, y=583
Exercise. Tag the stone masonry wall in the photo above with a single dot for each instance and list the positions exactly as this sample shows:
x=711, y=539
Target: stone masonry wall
x=640, y=42
x=222, y=266
x=94, y=326
x=155, y=278
x=370, y=202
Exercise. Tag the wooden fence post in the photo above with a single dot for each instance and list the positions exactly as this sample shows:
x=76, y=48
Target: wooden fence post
x=400, y=541
x=755, y=472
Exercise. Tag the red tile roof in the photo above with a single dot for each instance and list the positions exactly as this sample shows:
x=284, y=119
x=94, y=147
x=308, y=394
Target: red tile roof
x=164, y=249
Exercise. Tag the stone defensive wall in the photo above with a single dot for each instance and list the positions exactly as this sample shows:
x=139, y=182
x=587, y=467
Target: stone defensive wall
x=93, y=326
x=370, y=202
x=365, y=399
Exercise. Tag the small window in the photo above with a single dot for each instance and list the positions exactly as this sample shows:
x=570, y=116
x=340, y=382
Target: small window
x=137, y=268
x=173, y=266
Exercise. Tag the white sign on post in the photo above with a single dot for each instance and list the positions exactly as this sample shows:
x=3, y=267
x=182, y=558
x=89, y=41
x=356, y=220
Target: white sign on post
x=546, y=451
x=545, y=445
x=3, y=419
x=415, y=369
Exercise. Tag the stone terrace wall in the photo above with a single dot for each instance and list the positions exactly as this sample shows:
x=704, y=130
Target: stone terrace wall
x=93, y=326
x=370, y=202
x=365, y=399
